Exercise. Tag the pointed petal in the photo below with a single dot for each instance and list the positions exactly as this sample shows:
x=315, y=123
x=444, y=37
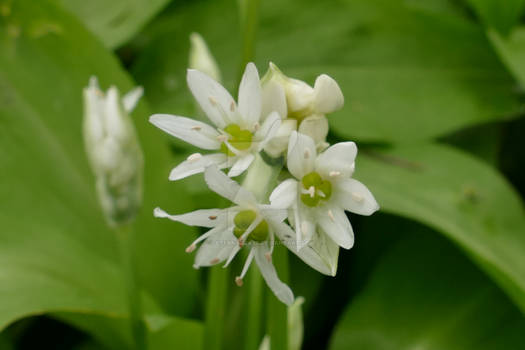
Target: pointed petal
x=250, y=99
x=328, y=95
x=315, y=126
x=279, y=143
x=189, y=130
x=301, y=154
x=213, y=98
x=281, y=290
x=337, y=160
x=216, y=248
x=273, y=99
x=241, y=165
x=221, y=184
x=195, y=166
x=334, y=223
x=285, y=194
x=130, y=100
x=355, y=197
x=268, y=130
x=202, y=217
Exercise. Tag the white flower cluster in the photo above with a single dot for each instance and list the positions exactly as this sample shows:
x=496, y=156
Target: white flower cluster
x=279, y=118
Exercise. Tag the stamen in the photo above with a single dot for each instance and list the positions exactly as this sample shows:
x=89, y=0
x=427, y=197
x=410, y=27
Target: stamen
x=304, y=226
x=238, y=281
x=272, y=244
x=194, y=157
x=321, y=193
x=306, y=153
x=196, y=128
x=200, y=239
x=357, y=197
x=212, y=217
x=247, y=264
x=331, y=215
x=334, y=173
x=256, y=126
x=234, y=251
x=191, y=248
x=222, y=138
x=249, y=230
x=231, y=148
x=213, y=101
x=311, y=191
x=232, y=106
x=214, y=261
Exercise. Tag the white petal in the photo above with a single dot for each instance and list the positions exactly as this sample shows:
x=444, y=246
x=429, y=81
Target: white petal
x=202, y=217
x=281, y=290
x=217, y=248
x=189, y=130
x=115, y=123
x=334, y=223
x=192, y=167
x=279, y=143
x=355, y=197
x=315, y=126
x=328, y=95
x=250, y=99
x=337, y=161
x=241, y=165
x=131, y=99
x=272, y=213
x=284, y=195
x=213, y=98
x=268, y=130
x=221, y=184
x=301, y=154
x=273, y=99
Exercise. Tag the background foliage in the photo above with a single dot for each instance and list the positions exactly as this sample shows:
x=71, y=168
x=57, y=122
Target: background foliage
x=434, y=100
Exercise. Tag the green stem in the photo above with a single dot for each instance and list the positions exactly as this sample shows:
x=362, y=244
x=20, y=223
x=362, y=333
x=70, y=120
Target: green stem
x=254, y=310
x=248, y=15
x=277, y=320
x=125, y=238
x=215, y=308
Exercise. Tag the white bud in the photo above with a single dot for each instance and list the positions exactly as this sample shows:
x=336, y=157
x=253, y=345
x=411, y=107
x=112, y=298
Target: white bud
x=113, y=150
x=201, y=58
x=315, y=126
x=279, y=143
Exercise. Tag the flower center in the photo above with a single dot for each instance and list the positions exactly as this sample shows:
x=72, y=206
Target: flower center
x=243, y=220
x=315, y=189
x=240, y=139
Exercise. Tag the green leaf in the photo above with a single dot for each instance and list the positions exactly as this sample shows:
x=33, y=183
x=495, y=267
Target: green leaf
x=114, y=22
x=408, y=72
x=512, y=51
x=461, y=197
x=425, y=295
x=497, y=14
x=56, y=253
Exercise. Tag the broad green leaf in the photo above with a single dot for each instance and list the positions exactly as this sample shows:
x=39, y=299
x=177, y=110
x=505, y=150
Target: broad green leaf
x=425, y=295
x=512, y=51
x=114, y=22
x=408, y=71
x=497, y=14
x=56, y=253
x=465, y=199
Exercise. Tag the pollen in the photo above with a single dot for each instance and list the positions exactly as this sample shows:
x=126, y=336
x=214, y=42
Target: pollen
x=194, y=157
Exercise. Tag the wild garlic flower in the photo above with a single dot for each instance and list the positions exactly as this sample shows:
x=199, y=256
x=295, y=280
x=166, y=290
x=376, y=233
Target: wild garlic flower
x=238, y=131
x=113, y=150
x=302, y=107
x=321, y=190
x=247, y=224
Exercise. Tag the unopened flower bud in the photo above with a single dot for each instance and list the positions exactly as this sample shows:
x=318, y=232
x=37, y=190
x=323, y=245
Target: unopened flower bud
x=113, y=150
x=201, y=58
x=315, y=126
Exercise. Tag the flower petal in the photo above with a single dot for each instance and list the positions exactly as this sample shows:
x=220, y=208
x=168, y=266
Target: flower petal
x=285, y=194
x=221, y=184
x=328, y=95
x=272, y=213
x=188, y=130
x=250, y=99
x=194, y=166
x=334, y=223
x=281, y=290
x=130, y=100
x=337, y=161
x=315, y=126
x=279, y=142
x=301, y=154
x=355, y=197
x=213, y=98
x=273, y=99
x=201, y=217
x=241, y=165
x=268, y=130
x=216, y=248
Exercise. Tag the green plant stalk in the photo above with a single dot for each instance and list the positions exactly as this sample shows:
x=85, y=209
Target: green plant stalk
x=126, y=244
x=277, y=319
x=215, y=308
x=248, y=10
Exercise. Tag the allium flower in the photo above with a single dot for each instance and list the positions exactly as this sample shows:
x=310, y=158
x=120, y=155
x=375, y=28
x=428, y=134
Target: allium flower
x=321, y=190
x=238, y=131
x=247, y=224
x=113, y=150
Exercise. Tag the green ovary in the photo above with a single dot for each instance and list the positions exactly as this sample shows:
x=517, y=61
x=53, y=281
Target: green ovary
x=243, y=220
x=321, y=187
x=239, y=139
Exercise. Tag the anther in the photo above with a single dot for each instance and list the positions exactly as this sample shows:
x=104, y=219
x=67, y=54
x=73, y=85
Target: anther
x=311, y=191
x=191, y=248
x=256, y=126
x=268, y=256
x=222, y=138
x=306, y=153
x=214, y=261
x=241, y=242
x=213, y=101
x=331, y=215
x=194, y=157
x=232, y=106
x=196, y=128
x=212, y=217
x=238, y=281
x=357, y=197
x=334, y=173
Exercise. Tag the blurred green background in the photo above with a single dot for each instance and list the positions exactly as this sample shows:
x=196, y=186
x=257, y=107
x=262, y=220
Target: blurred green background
x=434, y=98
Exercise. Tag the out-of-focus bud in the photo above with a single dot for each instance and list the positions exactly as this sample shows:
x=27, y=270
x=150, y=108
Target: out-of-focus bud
x=316, y=126
x=295, y=324
x=201, y=58
x=113, y=151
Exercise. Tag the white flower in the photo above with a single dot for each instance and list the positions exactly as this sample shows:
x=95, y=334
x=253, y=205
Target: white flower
x=248, y=224
x=237, y=134
x=320, y=193
x=297, y=101
x=113, y=150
